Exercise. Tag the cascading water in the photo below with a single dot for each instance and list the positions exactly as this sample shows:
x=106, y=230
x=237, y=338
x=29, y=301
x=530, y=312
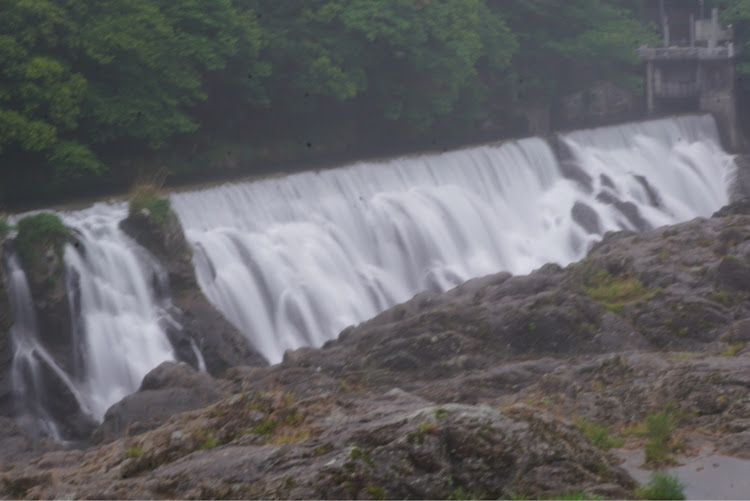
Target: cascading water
x=292, y=261
x=31, y=359
x=119, y=316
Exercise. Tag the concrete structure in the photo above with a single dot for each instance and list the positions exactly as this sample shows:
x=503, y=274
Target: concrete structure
x=699, y=76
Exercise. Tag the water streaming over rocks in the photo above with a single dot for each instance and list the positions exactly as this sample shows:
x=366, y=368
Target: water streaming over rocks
x=292, y=261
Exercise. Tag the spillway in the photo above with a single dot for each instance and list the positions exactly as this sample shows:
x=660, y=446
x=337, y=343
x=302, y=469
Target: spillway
x=292, y=261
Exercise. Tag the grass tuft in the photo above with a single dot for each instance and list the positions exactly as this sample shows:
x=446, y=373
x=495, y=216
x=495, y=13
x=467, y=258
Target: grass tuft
x=599, y=435
x=662, y=486
x=149, y=198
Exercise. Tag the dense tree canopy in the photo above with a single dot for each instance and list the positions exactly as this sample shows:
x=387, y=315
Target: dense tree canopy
x=85, y=83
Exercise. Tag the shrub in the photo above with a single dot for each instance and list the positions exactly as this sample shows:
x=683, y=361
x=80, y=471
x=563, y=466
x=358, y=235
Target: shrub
x=659, y=446
x=662, y=486
x=38, y=232
x=149, y=198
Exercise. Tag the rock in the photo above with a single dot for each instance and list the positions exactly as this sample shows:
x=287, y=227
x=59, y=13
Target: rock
x=6, y=342
x=200, y=324
x=586, y=217
x=168, y=389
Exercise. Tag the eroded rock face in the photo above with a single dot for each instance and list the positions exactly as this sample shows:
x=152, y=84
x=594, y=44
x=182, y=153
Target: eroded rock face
x=220, y=343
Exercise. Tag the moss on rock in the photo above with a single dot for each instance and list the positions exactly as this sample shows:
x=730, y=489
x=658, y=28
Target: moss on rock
x=39, y=233
x=148, y=198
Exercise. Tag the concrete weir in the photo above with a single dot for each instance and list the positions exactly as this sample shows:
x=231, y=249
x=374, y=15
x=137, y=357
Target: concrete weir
x=699, y=76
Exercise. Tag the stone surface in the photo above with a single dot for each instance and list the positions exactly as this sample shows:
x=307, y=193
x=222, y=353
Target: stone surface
x=220, y=343
x=168, y=389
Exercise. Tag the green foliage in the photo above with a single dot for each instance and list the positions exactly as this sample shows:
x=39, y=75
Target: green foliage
x=662, y=486
x=149, y=198
x=599, y=435
x=37, y=233
x=5, y=228
x=86, y=85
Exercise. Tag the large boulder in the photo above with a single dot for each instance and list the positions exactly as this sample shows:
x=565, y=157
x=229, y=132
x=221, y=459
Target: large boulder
x=168, y=389
x=157, y=228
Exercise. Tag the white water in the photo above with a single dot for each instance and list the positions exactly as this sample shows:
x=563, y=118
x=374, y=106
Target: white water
x=29, y=355
x=292, y=261
x=121, y=321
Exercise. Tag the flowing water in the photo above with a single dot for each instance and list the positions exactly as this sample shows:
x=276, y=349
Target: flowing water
x=292, y=261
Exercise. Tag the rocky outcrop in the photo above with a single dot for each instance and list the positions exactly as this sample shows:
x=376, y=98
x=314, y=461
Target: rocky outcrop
x=168, y=389
x=220, y=343
x=485, y=390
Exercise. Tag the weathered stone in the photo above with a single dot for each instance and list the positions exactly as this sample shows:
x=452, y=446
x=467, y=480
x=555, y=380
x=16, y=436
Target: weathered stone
x=200, y=324
x=168, y=389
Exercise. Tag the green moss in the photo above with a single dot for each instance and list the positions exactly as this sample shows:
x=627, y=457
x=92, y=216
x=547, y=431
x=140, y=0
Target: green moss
x=37, y=233
x=376, y=492
x=733, y=349
x=613, y=292
x=721, y=297
x=208, y=441
x=265, y=427
x=148, y=198
x=135, y=452
x=662, y=486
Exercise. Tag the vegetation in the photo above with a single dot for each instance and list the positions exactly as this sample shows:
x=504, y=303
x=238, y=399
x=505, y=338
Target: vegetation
x=599, y=435
x=5, y=228
x=38, y=233
x=733, y=349
x=148, y=198
x=134, y=452
x=613, y=291
x=660, y=427
x=94, y=89
x=662, y=486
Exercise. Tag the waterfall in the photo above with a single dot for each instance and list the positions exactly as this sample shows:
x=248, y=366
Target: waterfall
x=292, y=261
x=31, y=360
x=120, y=309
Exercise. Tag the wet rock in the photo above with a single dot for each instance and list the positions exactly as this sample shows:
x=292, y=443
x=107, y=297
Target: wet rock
x=168, y=389
x=199, y=324
x=586, y=217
